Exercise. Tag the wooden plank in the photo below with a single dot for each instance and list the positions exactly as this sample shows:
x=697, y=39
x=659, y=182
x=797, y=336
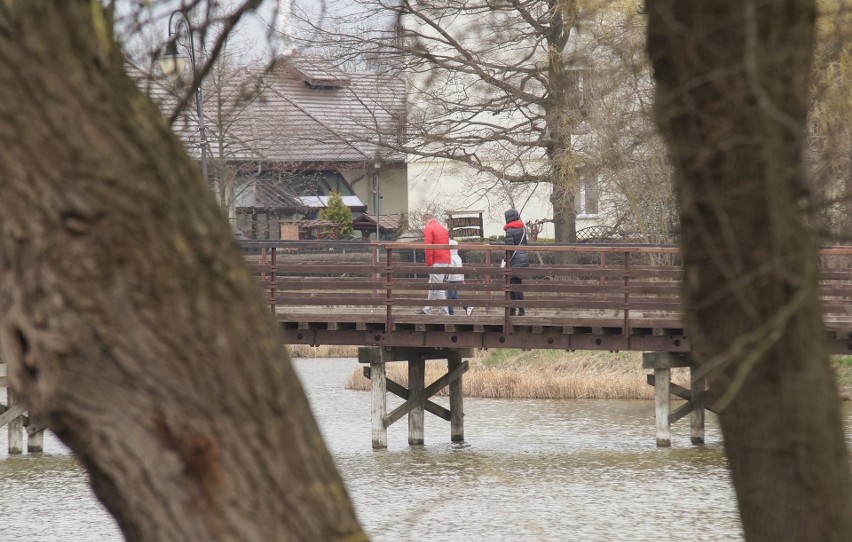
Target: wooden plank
x=429, y=391
x=355, y=300
x=284, y=269
x=681, y=411
x=401, y=391
x=674, y=389
x=665, y=360
x=336, y=285
x=11, y=413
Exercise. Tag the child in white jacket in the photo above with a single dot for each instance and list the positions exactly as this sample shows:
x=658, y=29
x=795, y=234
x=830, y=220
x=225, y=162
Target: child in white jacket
x=455, y=278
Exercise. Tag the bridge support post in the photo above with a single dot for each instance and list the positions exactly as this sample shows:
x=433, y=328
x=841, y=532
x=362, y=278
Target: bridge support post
x=35, y=436
x=416, y=377
x=417, y=396
x=696, y=417
x=662, y=382
x=456, y=400
x=379, y=404
x=16, y=426
x=662, y=364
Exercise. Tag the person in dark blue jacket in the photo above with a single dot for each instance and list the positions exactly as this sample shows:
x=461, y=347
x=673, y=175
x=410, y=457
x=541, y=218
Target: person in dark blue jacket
x=516, y=234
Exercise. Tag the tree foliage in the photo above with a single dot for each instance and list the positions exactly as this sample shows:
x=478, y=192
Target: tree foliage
x=543, y=96
x=829, y=149
x=336, y=211
x=488, y=83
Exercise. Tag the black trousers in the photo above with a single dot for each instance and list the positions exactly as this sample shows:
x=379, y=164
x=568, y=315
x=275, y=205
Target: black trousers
x=516, y=296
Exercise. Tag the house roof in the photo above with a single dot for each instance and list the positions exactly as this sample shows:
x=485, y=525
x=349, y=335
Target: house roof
x=304, y=109
x=386, y=222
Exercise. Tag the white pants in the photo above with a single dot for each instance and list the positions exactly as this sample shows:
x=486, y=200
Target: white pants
x=437, y=278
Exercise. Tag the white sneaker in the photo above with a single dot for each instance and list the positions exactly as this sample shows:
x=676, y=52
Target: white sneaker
x=424, y=311
x=469, y=311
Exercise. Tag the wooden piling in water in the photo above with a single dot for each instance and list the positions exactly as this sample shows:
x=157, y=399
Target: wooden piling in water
x=417, y=395
x=456, y=401
x=662, y=382
x=416, y=376
x=379, y=404
x=696, y=417
x=16, y=424
x=35, y=436
x=662, y=364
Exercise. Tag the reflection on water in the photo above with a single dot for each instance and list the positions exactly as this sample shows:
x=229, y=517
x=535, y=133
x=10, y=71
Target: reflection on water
x=46, y=498
x=530, y=471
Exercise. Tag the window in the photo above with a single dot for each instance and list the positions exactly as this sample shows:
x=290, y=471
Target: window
x=587, y=198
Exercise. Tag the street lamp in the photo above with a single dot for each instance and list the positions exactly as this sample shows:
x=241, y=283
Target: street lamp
x=172, y=64
x=377, y=166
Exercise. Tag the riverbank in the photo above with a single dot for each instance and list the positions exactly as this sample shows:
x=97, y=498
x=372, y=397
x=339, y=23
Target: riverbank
x=545, y=374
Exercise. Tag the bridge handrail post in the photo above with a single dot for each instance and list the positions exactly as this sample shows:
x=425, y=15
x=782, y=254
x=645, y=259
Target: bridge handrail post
x=487, y=280
x=389, y=291
x=273, y=283
x=507, y=294
x=374, y=262
x=625, y=328
x=264, y=276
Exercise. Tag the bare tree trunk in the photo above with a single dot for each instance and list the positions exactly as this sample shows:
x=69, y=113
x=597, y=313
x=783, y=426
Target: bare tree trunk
x=732, y=85
x=129, y=322
x=564, y=213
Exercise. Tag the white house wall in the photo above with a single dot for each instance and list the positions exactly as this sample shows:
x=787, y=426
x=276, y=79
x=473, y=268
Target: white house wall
x=393, y=187
x=443, y=186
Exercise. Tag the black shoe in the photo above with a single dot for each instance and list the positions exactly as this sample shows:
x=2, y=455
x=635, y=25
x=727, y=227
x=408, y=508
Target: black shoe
x=521, y=312
x=512, y=312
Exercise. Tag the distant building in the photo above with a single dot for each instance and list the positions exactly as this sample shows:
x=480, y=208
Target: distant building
x=279, y=142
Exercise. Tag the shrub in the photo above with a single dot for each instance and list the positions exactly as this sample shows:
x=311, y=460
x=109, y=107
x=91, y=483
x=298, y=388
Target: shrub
x=339, y=213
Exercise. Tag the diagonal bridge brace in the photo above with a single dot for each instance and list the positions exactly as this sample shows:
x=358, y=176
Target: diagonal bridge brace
x=420, y=398
x=683, y=393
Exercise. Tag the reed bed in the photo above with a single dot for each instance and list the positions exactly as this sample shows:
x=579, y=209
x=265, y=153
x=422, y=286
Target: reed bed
x=323, y=351
x=541, y=374
x=544, y=374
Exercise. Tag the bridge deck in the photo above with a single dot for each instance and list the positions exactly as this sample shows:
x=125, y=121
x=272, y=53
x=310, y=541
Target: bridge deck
x=578, y=297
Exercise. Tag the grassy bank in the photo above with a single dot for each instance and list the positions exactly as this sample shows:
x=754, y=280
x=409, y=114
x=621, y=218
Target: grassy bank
x=545, y=374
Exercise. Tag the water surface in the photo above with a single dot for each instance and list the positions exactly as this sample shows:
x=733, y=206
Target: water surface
x=530, y=470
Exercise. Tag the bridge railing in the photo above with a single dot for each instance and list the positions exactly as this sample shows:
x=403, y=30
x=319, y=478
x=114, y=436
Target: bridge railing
x=616, y=286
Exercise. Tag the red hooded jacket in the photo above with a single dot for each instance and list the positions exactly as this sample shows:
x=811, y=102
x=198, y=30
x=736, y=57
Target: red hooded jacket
x=435, y=234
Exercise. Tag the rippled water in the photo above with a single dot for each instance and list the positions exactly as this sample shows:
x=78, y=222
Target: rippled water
x=529, y=471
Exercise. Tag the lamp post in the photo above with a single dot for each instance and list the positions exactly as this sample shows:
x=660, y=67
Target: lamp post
x=172, y=64
x=377, y=166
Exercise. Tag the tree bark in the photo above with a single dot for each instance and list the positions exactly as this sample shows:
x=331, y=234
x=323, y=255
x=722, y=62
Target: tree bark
x=128, y=320
x=732, y=85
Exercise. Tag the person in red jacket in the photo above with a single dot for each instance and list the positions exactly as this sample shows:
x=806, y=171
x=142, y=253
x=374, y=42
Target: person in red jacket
x=435, y=234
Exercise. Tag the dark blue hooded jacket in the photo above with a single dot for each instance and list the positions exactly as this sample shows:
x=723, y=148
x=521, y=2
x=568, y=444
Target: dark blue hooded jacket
x=515, y=229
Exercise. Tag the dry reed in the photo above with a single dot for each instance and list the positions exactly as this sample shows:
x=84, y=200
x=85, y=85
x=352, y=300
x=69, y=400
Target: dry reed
x=542, y=374
x=324, y=351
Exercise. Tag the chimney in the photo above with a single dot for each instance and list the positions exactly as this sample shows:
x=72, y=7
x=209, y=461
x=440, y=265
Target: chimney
x=282, y=28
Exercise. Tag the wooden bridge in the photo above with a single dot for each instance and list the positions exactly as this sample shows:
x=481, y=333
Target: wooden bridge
x=578, y=297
